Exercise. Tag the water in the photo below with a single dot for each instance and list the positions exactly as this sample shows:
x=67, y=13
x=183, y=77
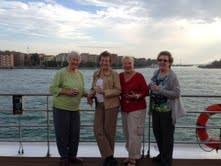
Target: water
x=193, y=81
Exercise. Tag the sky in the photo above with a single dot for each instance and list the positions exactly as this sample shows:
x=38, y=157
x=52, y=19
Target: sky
x=190, y=30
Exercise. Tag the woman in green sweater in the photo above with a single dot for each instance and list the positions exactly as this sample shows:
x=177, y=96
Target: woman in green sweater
x=68, y=89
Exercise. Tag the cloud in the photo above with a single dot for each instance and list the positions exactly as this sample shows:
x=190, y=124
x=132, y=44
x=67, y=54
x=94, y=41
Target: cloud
x=139, y=28
x=44, y=19
x=158, y=9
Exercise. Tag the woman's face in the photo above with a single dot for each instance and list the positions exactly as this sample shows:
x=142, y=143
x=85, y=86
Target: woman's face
x=74, y=63
x=163, y=62
x=105, y=63
x=128, y=65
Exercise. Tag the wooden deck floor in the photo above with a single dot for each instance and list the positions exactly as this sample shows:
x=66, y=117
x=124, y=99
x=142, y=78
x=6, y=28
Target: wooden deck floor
x=25, y=161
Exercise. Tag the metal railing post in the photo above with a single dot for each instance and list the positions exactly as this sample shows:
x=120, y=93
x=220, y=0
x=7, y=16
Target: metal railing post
x=20, y=149
x=149, y=118
x=148, y=150
x=143, y=149
x=48, y=128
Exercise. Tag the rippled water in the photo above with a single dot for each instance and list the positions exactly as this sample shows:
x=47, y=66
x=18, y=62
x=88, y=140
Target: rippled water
x=193, y=81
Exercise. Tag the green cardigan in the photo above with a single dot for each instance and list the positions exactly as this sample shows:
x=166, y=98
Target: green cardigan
x=65, y=79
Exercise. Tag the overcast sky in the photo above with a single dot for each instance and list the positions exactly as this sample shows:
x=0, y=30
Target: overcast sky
x=190, y=29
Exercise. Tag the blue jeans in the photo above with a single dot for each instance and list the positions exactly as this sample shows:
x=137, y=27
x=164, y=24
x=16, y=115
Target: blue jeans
x=67, y=131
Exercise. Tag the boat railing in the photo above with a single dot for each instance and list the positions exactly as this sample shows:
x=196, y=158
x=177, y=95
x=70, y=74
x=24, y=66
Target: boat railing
x=148, y=138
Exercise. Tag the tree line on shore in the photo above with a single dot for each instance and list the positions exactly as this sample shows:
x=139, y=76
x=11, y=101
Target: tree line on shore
x=214, y=64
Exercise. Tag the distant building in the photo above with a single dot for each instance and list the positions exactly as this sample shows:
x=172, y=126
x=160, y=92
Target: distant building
x=7, y=61
x=19, y=59
x=27, y=60
x=61, y=57
x=92, y=58
x=46, y=58
x=119, y=60
x=84, y=57
x=114, y=59
x=140, y=62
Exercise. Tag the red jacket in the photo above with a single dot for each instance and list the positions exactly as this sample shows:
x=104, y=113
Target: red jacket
x=137, y=85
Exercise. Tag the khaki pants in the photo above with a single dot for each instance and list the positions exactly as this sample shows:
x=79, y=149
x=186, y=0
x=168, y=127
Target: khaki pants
x=133, y=125
x=105, y=129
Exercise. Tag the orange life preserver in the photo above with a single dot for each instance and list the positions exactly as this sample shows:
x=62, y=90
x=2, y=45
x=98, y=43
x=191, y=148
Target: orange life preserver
x=201, y=122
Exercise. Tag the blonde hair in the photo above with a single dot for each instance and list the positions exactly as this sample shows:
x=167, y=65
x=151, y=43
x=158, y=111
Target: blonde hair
x=127, y=58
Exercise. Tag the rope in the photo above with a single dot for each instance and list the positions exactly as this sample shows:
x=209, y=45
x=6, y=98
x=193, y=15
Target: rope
x=201, y=147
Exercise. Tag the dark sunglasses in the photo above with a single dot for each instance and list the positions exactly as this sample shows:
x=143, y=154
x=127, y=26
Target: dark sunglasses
x=162, y=60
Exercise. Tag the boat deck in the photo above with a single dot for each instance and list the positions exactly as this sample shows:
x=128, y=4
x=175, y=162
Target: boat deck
x=34, y=161
x=34, y=155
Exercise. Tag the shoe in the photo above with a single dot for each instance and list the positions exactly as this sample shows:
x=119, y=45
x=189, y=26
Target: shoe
x=105, y=162
x=113, y=162
x=156, y=159
x=64, y=162
x=131, y=162
x=110, y=161
x=75, y=160
x=126, y=161
x=167, y=163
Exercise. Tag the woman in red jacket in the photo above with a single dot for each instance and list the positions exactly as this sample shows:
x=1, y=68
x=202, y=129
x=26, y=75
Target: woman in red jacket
x=133, y=106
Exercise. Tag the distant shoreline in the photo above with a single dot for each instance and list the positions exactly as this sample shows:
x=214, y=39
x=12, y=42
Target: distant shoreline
x=202, y=67
x=52, y=68
x=137, y=67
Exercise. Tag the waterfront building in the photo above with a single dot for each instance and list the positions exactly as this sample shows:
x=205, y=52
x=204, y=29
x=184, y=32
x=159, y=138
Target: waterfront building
x=6, y=61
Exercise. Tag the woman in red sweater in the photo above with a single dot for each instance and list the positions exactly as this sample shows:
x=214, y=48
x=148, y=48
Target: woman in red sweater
x=133, y=106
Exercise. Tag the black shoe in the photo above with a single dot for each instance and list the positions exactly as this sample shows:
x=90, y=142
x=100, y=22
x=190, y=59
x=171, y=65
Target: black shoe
x=113, y=162
x=110, y=161
x=105, y=162
x=167, y=163
x=64, y=162
x=156, y=159
x=75, y=160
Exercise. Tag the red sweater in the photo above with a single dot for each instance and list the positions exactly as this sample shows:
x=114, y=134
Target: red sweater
x=137, y=85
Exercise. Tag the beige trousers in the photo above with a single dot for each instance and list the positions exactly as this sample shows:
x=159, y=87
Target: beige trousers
x=105, y=129
x=133, y=126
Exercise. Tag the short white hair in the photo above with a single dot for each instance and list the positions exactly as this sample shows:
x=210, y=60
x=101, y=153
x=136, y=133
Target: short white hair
x=73, y=54
x=128, y=58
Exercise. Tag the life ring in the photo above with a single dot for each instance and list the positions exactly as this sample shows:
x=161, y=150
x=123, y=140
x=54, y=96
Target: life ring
x=201, y=122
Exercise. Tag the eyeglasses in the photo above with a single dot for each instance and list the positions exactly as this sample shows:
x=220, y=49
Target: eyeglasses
x=163, y=60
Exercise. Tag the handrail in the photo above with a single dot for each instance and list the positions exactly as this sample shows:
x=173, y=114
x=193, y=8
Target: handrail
x=48, y=126
x=48, y=94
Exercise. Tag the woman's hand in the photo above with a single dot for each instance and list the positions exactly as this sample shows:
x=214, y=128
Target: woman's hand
x=155, y=87
x=90, y=100
x=132, y=95
x=90, y=97
x=70, y=91
x=99, y=90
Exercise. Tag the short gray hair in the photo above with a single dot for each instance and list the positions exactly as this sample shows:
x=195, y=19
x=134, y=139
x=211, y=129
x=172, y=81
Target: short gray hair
x=73, y=54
